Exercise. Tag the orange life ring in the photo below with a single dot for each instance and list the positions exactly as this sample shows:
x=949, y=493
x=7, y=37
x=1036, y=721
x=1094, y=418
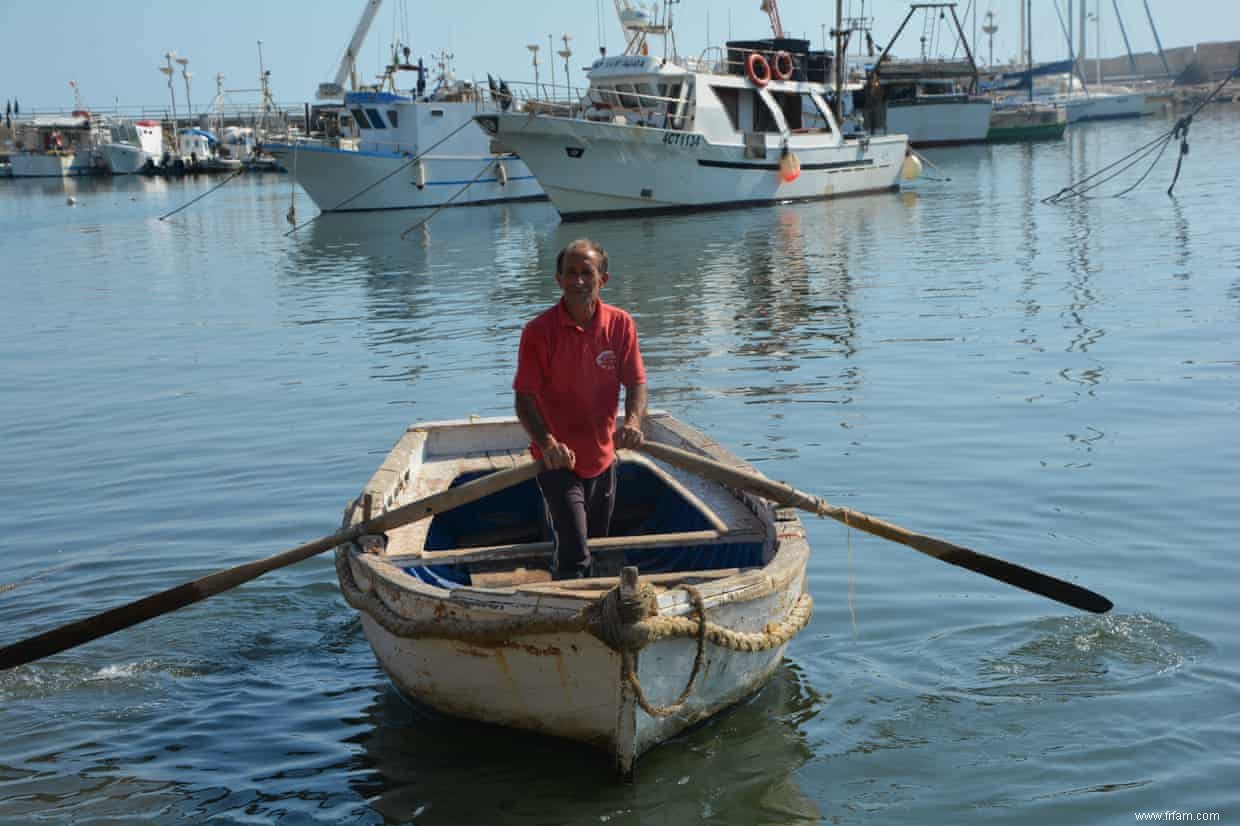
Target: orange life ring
x=758, y=69
x=782, y=64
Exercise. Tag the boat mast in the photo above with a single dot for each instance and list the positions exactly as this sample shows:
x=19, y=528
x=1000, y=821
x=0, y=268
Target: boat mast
x=839, y=62
x=1132, y=61
x=1157, y=42
x=1029, y=44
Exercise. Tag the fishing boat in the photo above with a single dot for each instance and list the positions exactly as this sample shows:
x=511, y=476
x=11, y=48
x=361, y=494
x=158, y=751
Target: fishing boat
x=1014, y=121
x=133, y=145
x=413, y=148
x=660, y=132
x=54, y=146
x=697, y=591
x=933, y=101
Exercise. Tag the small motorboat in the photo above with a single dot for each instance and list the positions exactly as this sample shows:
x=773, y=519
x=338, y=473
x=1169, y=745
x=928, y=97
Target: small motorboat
x=696, y=592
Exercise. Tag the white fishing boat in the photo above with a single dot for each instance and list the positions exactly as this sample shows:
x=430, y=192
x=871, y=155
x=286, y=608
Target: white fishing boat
x=411, y=149
x=132, y=145
x=56, y=147
x=933, y=101
x=658, y=132
x=706, y=587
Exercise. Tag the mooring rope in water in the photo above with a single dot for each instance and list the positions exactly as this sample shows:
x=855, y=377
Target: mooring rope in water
x=203, y=195
x=410, y=162
x=929, y=163
x=1158, y=145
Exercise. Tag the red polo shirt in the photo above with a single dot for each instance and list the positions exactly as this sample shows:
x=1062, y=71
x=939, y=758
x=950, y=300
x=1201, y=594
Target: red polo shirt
x=575, y=373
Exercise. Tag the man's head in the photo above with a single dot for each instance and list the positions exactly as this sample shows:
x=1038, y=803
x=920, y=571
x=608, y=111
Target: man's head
x=583, y=244
x=581, y=271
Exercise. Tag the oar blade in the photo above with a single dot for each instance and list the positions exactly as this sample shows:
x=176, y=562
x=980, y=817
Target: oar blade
x=1029, y=580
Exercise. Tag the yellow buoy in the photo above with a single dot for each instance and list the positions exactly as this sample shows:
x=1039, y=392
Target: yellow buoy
x=911, y=169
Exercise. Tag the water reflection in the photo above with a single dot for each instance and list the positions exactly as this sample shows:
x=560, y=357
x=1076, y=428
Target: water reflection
x=738, y=768
x=740, y=300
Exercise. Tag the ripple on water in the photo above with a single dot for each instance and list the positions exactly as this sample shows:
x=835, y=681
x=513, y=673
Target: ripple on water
x=1057, y=658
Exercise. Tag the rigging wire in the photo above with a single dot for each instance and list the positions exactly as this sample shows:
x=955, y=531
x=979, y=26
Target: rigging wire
x=1158, y=145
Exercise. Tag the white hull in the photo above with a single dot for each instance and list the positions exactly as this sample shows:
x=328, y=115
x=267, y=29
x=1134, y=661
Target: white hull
x=1102, y=106
x=51, y=165
x=623, y=168
x=123, y=158
x=561, y=679
x=347, y=180
x=940, y=123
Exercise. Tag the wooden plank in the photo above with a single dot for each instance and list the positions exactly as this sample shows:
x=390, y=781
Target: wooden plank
x=495, y=553
x=607, y=583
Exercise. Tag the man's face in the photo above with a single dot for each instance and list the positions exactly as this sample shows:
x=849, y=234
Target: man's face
x=582, y=278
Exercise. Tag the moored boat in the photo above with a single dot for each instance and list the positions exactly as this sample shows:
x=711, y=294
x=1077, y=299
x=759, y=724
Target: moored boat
x=404, y=150
x=57, y=146
x=669, y=134
x=1016, y=122
x=463, y=616
x=934, y=102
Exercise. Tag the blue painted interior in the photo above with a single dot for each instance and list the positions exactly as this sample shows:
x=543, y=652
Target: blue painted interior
x=519, y=510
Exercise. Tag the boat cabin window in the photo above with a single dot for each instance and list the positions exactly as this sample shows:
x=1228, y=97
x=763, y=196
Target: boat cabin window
x=763, y=118
x=360, y=117
x=627, y=97
x=731, y=102
x=376, y=120
x=800, y=111
x=392, y=118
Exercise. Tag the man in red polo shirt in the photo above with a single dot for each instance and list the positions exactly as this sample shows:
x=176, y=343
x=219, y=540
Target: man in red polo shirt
x=573, y=359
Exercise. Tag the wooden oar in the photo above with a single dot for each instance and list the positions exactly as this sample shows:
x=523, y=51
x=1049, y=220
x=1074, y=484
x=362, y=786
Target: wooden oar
x=82, y=631
x=1009, y=572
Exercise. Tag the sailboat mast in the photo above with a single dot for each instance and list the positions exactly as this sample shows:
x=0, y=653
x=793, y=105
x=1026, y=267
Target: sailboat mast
x=839, y=62
x=1029, y=44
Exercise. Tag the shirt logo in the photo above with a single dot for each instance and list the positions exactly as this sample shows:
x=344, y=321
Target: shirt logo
x=606, y=360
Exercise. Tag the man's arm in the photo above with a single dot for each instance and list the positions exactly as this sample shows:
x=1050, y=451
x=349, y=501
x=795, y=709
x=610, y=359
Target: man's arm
x=630, y=435
x=555, y=454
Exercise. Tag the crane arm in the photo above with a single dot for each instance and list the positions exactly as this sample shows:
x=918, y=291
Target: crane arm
x=772, y=11
x=350, y=55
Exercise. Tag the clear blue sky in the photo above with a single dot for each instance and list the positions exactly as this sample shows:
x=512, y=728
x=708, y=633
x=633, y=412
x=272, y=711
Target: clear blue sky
x=113, y=49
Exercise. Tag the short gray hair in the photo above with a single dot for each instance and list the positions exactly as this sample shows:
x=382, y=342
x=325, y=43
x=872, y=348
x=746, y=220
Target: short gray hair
x=592, y=246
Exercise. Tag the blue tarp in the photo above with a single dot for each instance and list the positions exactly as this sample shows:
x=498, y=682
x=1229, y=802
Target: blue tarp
x=1021, y=80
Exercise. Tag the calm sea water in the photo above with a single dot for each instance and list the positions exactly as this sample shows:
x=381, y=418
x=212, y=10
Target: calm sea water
x=1054, y=385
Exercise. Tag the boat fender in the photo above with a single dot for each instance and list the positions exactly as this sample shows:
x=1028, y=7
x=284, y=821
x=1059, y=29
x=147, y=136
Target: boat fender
x=789, y=166
x=782, y=65
x=501, y=173
x=419, y=175
x=758, y=70
x=910, y=170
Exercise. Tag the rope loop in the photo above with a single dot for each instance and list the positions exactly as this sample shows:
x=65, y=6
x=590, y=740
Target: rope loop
x=629, y=658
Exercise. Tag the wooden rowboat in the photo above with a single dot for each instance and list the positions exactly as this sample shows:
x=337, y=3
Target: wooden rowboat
x=705, y=585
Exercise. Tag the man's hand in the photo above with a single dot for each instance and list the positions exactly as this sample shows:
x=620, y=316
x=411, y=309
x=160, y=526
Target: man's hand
x=556, y=454
x=629, y=436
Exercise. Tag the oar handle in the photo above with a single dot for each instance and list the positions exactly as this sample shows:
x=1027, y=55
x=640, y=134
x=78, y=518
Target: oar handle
x=116, y=619
x=1009, y=572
